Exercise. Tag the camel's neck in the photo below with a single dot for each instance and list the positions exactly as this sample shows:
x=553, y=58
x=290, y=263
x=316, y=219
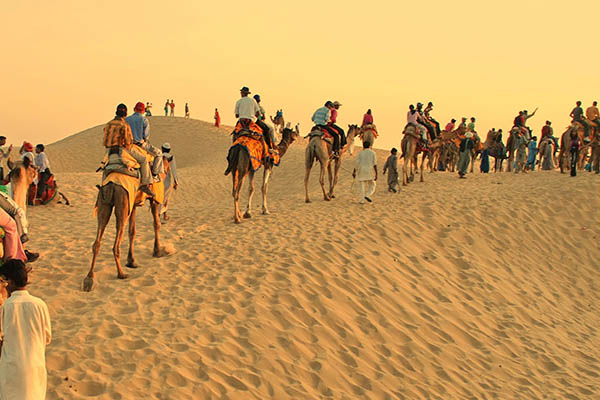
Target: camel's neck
x=283, y=146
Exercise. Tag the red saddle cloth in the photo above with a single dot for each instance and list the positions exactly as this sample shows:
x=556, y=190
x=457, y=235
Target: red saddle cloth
x=422, y=147
x=47, y=196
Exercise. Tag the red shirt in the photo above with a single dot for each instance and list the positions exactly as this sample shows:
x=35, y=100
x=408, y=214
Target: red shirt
x=333, y=116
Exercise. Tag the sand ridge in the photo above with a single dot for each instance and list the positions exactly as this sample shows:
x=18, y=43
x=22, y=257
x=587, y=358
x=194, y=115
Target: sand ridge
x=483, y=288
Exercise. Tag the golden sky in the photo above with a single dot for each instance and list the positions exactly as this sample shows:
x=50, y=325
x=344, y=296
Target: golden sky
x=67, y=64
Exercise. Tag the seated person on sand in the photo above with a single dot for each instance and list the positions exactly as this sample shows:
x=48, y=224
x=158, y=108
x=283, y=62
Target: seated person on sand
x=117, y=136
x=43, y=166
x=246, y=110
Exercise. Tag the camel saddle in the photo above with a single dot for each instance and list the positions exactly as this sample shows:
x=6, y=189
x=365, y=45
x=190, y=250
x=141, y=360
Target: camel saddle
x=369, y=127
x=320, y=132
x=257, y=150
x=246, y=127
x=119, y=161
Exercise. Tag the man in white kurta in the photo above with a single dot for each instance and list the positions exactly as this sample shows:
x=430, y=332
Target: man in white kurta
x=365, y=167
x=25, y=329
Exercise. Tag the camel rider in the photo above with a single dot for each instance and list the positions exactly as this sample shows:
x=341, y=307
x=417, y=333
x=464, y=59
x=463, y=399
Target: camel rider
x=450, y=125
x=321, y=119
x=140, y=129
x=260, y=121
x=412, y=117
x=423, y=121
x=333, y=120
x=436, y=125
x=519, y=120
x=592, y=114
x=4, y=155
x=117, y=135
x=548, y=131
x=471, y=126
x=577, y=115
x=246, y=110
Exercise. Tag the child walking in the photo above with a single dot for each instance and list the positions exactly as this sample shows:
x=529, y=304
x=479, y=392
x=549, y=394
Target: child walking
x=391, y=167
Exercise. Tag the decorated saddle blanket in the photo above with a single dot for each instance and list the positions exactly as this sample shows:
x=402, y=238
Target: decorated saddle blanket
x=247, y=127
x=256, y=150
x=48, y=195
x=422, y=147
x=120, y=160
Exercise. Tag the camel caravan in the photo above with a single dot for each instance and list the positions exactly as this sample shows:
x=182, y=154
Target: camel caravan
x=133, y=171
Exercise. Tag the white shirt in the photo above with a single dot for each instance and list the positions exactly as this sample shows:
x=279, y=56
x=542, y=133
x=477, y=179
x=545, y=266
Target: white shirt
x=246, y=107
x=25, y=327
x=41, y=161
x=364, y=164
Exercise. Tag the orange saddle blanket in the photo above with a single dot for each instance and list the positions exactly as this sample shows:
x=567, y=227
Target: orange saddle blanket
x=255, y=149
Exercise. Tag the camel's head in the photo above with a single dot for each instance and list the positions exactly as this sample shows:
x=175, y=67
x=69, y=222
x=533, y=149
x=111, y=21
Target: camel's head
x=289, y=135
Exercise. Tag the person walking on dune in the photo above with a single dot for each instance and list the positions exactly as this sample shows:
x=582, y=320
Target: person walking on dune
x=365, y=167
x=391, y=167
x=217, y=118
x=167, y=108
x=187, y=111
x=171, y=179
x=172, y=105
x=466, y=146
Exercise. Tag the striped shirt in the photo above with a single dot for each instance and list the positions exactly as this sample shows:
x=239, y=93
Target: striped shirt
x=117, y=132
x=321, y=116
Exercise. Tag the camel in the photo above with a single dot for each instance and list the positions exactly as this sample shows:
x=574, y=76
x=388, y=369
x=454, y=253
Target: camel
x=477, y=148
x=240, y=167
x=546, y=156
x=278, y=124
x=595, y=158
x=321, y=149
x=21, y=176
x=114, y=196
x=509, y=147
x=409, y=153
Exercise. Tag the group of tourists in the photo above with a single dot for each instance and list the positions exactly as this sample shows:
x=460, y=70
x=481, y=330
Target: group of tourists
x=131, y=134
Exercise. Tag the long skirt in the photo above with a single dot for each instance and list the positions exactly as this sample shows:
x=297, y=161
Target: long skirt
x=485, y=162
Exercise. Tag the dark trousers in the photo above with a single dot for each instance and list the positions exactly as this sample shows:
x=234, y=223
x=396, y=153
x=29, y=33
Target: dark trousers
x=586, y=127
x=266, y=133
x=574, y=156
x=436, y=126
x=41, y=188
x=336, y=138
x=430, y=130
x=342, y=134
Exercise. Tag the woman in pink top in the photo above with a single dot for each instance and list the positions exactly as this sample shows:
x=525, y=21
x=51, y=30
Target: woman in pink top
x=368, y=118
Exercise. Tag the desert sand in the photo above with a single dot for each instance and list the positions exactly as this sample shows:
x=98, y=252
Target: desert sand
x=484, y=288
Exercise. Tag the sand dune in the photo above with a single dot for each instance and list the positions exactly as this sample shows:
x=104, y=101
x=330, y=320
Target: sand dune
x=482, y=288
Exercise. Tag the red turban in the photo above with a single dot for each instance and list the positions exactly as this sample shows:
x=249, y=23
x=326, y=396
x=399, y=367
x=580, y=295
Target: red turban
x=27, y=146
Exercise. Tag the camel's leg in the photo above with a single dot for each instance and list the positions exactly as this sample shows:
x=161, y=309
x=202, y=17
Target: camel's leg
x=158, y=250
x=330, y=176
x=248, y=212
x=422, y=164
x=322, y=179
x=405, y=172
x=122, y=216
x=306, y=177
x=336, y=174
x=132, y=231
x=265, y=189
x=473, y=157
x=104, y=212
x=237, y=186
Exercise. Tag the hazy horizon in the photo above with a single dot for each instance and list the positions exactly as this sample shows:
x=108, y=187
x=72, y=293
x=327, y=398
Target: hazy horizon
x=69, y=63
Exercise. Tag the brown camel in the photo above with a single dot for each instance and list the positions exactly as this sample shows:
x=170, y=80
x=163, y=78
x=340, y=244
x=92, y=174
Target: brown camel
x=278, y=124
x=115, y=196
x=241, y=167
x=595, y=159
x=509, y=146
x=409, y=153
x=321, y=149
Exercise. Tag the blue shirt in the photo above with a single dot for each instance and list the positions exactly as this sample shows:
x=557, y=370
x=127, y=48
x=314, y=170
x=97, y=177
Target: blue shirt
x=140, y=127
x=321, y=116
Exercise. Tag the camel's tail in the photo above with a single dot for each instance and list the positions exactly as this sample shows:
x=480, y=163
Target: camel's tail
x=232, y=158
x=311, y=156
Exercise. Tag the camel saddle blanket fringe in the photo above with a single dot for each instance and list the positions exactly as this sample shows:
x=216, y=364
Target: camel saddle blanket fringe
x=255, y=149
x=422, y=147
x=322, y=133
x=129, y=183
x=370, y=127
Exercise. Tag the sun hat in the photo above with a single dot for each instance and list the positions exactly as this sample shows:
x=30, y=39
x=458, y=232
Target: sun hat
x=337, y=103
x=166, y=146
x=245, y=90
x=27, y=146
